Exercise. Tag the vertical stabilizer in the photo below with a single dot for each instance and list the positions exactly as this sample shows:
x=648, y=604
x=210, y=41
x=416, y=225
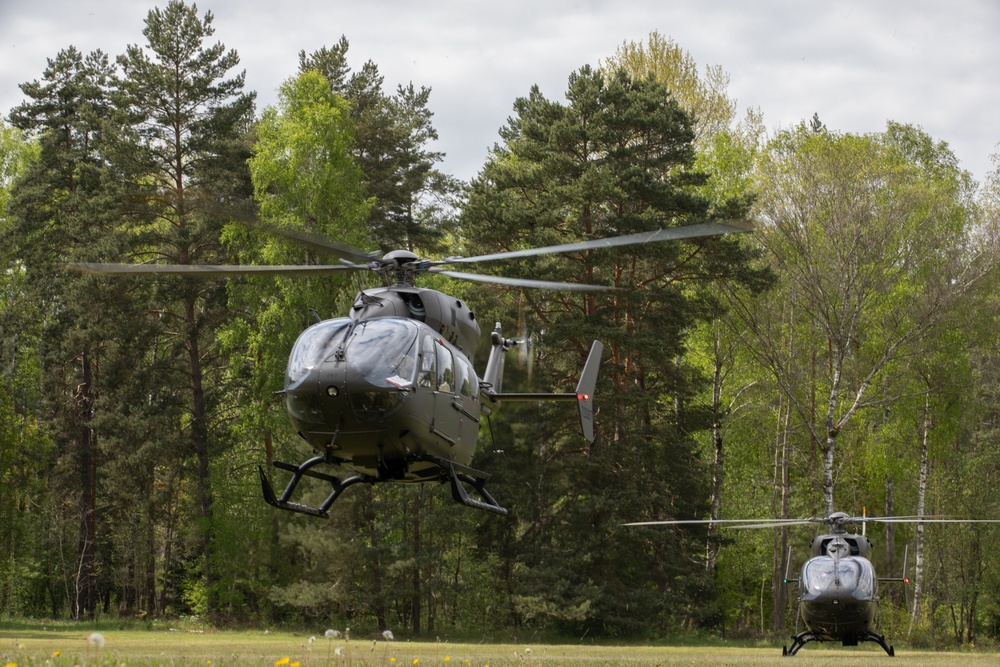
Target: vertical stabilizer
x=585, y=389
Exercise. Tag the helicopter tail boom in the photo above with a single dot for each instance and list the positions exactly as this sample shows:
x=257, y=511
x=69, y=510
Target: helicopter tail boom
x=584, y=395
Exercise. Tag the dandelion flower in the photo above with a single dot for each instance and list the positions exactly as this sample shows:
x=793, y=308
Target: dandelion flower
x=312, y=639
x=447, y=658
x=416, y=660
x=294, y=664
x=283, y=661
x=11, y=664
x=338, y=652
x=387, y=635
x=331, y=633
x=393, y=659
x=56, y=654
x=527, y=650
x=95, y=639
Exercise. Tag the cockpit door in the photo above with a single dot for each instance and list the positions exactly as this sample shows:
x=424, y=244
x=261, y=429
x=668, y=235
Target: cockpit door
x=447, y=420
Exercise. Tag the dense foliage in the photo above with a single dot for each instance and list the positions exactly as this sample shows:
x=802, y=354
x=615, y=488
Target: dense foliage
x=840, y=357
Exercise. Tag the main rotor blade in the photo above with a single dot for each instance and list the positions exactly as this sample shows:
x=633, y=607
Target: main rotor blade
x=778, y=523
x=522, y=282
x=735, y=523
x=668, y=234
x=201, y=270
x=929, y=520
x=319, y=244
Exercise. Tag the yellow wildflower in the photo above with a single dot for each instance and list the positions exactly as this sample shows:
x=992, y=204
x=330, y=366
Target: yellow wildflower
x=392, y=660
x=447, y=658
x=294, y=664
x=415, y=661
x=56, y=654
x=11, y=664
x=283, y=661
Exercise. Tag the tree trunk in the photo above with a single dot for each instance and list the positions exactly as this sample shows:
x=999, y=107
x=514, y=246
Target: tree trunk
x=199, y=437
x=890, y=535
x=782, y=489
x=718, y=463
x=378, y=595
x=831, y=444
x=918, y=570
x=415, y=592
x=86, y=594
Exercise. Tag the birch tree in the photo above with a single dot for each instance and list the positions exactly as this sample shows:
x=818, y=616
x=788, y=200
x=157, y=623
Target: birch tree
x=872, y=236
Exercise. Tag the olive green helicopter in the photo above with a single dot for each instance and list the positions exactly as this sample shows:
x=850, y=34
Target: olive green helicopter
x=388, y=393
x=838, y=589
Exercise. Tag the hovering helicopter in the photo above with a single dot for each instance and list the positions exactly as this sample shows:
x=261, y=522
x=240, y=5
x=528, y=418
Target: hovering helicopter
x=838, y=588
x=388, y=393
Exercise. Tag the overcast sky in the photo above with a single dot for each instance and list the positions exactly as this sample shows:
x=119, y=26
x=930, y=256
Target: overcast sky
x=857, y=63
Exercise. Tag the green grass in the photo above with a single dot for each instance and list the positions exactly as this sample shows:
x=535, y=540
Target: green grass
x=25, y=645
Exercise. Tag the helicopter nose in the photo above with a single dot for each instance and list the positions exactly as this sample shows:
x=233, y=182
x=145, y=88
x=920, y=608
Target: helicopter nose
x=307, y=398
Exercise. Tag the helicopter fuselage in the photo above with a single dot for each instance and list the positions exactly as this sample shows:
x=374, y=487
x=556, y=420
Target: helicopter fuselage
x=838, y=592
x=380, y=391
x=838, y=599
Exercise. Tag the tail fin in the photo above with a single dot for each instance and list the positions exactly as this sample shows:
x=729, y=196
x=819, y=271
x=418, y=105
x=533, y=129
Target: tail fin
x=585, y=389
x=584, y=396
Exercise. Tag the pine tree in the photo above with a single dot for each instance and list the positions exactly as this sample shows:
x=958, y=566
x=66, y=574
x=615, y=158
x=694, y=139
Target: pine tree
x=190, y=136
x=62, y=210
x=413, y=201
x=616, y=159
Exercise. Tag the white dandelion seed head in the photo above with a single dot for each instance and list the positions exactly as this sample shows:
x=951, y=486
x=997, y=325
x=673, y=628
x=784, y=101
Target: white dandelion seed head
x=527, y=650
x=312, y=639
x=387, y=635
x=95, y=639
x=338, y=652
x=331, y=633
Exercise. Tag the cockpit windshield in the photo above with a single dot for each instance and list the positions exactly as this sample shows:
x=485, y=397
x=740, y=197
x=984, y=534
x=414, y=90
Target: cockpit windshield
x=382, y=351
x=314, y=346
x=819, y=574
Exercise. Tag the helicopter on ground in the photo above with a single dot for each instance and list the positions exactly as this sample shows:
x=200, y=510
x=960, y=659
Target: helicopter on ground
x=388, y=393
x=838, y=588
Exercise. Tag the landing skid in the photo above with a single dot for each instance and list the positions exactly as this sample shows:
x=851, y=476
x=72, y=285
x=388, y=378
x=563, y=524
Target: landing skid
x=803, y=638
x=458, y=475
x=305, y=470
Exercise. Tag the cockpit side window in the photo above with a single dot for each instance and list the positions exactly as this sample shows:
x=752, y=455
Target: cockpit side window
x=427, y=376
x=462, y=373
x=445, y=369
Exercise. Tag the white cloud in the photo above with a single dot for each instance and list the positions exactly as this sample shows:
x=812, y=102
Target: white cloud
x=856, y=63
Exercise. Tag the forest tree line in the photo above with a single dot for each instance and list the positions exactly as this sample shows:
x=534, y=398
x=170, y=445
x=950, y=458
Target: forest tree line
x=841, y=356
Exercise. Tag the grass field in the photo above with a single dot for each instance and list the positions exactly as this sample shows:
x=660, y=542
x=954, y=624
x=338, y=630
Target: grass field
x=69, y=646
